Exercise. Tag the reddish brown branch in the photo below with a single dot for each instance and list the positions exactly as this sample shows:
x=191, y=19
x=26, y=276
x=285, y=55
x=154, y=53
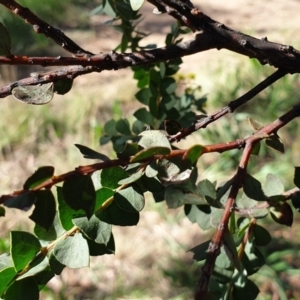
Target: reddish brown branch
x=40, y=26
x=246, y=238
x=214, y=247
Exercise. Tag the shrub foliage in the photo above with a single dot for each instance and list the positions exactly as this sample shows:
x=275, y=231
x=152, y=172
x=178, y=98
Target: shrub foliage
x=74, y=212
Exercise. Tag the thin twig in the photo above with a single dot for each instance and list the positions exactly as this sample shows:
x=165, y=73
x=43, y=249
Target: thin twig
x=230, y=107
x=40, y=26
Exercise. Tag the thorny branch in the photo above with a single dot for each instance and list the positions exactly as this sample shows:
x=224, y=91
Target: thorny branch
x=210, y=34
x=214, y=248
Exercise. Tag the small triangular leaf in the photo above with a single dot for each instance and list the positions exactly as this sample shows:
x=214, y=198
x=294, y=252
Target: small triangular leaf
x=273, y=186
x=296, y=201
x=193, y=153
x=79, y=193
x=282, y=214
x=275, y=143
x=94, y=229
x=149, y=152
x=110, y=177
x=154, y=138
x=91, y=154
x=114, y=215
x=73, y=251
x=23, y=201
x=23, y=246
x=63, y=86
x=5, y=41
x=38, y=177
x=25, y=289
x=256, y=125
x=297, y=177
x=44, y=208
x=253, y=189
x=130, y=199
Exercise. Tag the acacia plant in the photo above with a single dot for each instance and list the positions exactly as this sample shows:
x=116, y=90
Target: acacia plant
x=74, y=212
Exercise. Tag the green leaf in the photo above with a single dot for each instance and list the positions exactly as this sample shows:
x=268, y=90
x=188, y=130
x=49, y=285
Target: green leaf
x=256, y=125
x=136, y=4
x=256, y=149
x=79, y=193
x=102, y=195
x=5, y=41
x=193, y=153
x=52, y=233
x=2, y=211
x=149, y=152
x=230, y=250
x=273, y=186
x=25, y=289
x=45, y=208
x=123, y=126
x=282, y=214
x=38, y=266
x=5, y=261
x=23, y=246
x=101, y=249
x=129, y=150
x=249, y=292
x=6, y=276
x=172, y=127
x=151, y=170
x=222, y=275
x=275, y=143
x=152, y=184
x=94, y=229
x=205, y=216
x=73, y=251
x=34, y=94
x=55, y=265
x=91, y=154
x=114, y=215
x=223, y=260
x=144, y=116
x=176, y=197
x=174, y=170
x=262, y=237
x=296, y=201
x=168, y=86
x=297, y=177
x=138, y=127
x=111, y=176
x=252, y=259
x=134, y=177
x=38, y=177
x=65, y=212
x=63, y=86
x=154, y=138
x=130, y=199
x=253, y=189
x=42, y=278
x=23, y=201
x=207, y=190
x=144, y=95
x=200, y=251
x=110, y=127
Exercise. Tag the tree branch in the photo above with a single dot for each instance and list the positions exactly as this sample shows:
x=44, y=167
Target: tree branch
x=41, y=27
x=217, y=241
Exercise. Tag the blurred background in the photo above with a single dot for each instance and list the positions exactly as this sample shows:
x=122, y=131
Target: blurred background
x=151, y=261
